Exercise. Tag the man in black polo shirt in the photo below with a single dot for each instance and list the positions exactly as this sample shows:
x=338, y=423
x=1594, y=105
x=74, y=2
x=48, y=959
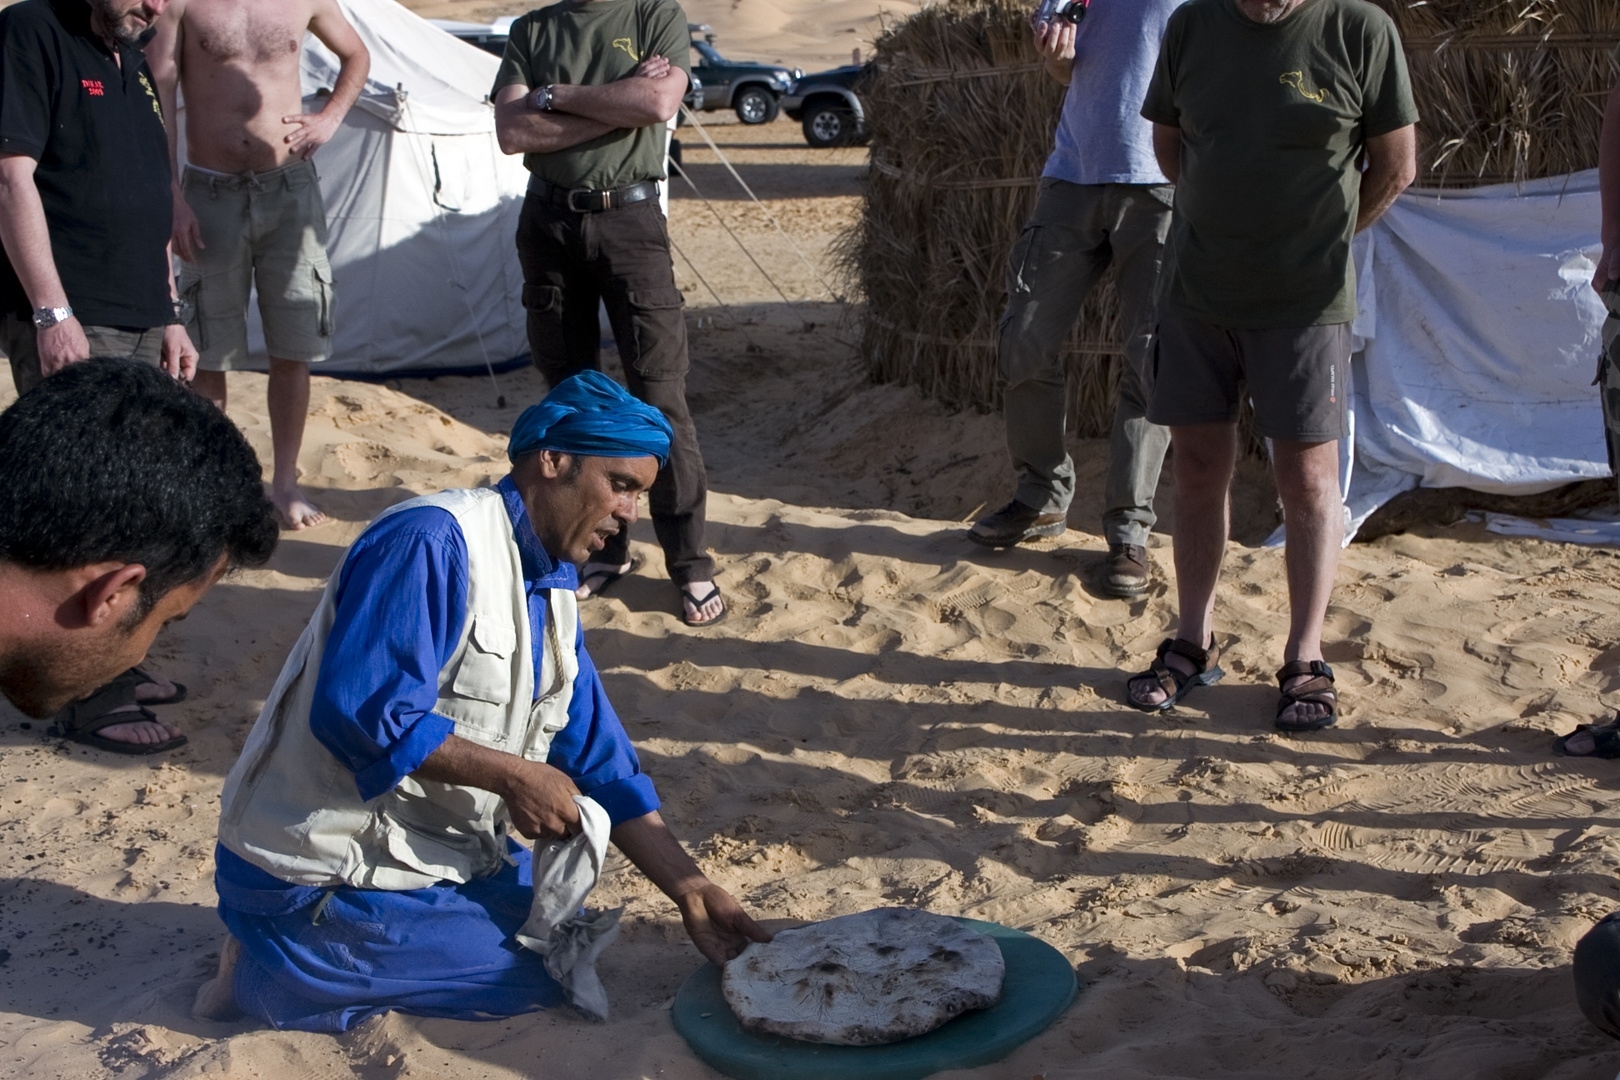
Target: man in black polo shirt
x=583, y=93
x=85, y=208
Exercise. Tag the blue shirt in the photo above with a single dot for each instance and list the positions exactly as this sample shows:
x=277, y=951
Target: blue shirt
x=1102, y=138
x=401, y=603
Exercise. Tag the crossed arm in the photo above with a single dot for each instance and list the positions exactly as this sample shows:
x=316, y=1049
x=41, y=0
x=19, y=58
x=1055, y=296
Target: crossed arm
x=650, y=95
x=540, y=799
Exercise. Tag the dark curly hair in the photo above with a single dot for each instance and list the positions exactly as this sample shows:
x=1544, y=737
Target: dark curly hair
x=114, y=461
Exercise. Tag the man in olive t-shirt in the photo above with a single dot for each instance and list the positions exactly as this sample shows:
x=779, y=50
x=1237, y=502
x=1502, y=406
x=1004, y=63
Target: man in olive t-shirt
x=583, y=93
x=1263, y=112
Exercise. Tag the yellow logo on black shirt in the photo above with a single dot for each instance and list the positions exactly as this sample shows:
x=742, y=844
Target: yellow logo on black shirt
x=628, y=46
x=147, y=86
x=1296, y=79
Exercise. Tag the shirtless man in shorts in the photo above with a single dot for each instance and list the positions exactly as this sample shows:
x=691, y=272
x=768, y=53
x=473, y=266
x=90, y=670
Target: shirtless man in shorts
x=247, y=208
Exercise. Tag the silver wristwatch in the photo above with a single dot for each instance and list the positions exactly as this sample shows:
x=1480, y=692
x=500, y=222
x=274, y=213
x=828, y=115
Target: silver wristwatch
x=47, y=317
x=543, y=96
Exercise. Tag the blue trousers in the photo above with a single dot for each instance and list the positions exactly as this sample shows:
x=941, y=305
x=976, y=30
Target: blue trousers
x=355, y=953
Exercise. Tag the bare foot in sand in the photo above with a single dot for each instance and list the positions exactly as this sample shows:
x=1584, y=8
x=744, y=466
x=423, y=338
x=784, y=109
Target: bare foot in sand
x=293, y=511
x=216, y=998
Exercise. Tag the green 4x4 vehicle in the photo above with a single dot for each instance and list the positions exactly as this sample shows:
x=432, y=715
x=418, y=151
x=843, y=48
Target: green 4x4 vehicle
x=751, y=90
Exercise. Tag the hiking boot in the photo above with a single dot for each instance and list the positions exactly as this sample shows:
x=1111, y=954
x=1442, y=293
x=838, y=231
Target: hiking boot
x=1015, y=523
x=1127, y=570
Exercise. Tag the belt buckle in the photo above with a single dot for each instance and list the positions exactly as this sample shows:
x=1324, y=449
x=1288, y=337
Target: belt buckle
x=604, y=198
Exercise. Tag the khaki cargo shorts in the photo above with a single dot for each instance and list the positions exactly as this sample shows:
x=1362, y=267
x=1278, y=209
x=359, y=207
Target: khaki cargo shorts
x=266, y=230
x=1608, y=375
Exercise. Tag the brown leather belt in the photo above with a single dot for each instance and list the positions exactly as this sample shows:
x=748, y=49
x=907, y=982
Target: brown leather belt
x=586, y=201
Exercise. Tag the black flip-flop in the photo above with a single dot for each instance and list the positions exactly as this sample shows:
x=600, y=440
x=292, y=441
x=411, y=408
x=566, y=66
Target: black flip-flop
x=1605, y=740
x=1314, y=691
x=697, y=603
x=80, y=721
x=608, y=577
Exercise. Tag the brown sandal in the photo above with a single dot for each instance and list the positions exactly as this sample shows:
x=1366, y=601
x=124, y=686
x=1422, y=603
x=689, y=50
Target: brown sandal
x=1317, y=691
x=1177, y=684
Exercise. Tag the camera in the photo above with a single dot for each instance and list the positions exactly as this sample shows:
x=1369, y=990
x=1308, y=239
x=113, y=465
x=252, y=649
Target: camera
x=1052, y=11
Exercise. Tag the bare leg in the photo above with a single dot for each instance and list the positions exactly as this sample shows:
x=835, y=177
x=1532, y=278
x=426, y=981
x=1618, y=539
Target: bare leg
x=1308, y=483
x=211, y=385
x=289, y=409
x=1203, y=456
x=216, y=998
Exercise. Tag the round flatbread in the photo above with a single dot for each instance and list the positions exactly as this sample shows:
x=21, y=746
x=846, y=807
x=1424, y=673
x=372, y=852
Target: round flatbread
x=863, y=980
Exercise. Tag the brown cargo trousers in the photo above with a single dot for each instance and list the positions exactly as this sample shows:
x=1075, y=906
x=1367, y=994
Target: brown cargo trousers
x=620, y=258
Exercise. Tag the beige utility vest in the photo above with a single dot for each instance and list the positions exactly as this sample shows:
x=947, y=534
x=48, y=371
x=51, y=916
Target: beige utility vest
x=292, y=809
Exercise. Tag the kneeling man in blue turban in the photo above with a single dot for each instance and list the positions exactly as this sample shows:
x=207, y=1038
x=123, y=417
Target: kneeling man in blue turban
x=440, y=697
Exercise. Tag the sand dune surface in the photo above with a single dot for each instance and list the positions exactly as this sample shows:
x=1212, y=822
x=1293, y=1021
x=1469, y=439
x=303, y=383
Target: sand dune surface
x=895, y=716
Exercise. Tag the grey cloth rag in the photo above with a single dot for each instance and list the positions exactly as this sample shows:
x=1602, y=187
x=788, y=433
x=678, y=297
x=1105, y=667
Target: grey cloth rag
x=568, y=937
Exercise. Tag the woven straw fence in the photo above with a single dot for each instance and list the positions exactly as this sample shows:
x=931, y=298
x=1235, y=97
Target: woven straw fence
x=962, y=117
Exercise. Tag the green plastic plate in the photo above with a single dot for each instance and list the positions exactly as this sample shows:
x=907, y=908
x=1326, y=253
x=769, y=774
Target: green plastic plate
x=1039, y=985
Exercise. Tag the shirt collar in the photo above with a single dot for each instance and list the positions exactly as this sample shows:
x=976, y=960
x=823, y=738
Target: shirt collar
x=74, y=15
x=539, y=568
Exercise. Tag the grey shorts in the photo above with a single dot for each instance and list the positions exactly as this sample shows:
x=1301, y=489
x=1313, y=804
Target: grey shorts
x=20, y=340
x=1298, y=377
x=266, y=230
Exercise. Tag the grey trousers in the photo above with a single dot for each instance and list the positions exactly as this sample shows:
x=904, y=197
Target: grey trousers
x=18, y=339
x=1077, y=230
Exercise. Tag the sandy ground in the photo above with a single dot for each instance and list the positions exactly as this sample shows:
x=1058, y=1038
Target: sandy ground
x=894, y=716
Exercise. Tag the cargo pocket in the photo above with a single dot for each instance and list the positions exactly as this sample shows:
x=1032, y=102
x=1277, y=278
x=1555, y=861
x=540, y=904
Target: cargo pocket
x=542, y=298
x=325, y=299
x=191, y=313
x=659, y=323
x=485, y=673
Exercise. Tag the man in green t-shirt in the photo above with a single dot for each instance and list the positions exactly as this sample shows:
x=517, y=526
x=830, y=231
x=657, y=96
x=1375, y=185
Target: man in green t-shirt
x=584, y=93
x=1263, y=113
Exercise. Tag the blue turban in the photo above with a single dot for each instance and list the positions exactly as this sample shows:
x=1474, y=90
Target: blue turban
x=591, y=414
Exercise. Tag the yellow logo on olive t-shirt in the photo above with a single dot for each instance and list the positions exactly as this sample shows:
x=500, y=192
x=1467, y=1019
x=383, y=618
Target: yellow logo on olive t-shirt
x=1296, y=79
x=628, y=46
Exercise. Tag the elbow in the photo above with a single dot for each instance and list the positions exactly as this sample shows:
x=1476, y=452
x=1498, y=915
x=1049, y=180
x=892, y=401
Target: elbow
x=506, y=138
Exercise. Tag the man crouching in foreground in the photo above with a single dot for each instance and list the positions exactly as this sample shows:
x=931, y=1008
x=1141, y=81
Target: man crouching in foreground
x=441, y=693
x=123, y=498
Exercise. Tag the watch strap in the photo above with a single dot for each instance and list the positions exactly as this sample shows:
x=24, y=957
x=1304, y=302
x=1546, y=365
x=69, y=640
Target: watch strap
x=47, y=317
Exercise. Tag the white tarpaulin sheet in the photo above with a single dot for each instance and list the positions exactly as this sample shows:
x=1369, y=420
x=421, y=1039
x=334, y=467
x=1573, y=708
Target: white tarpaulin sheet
x=1480, y=337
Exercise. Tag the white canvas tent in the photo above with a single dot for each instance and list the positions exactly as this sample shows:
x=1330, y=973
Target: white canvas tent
x=421, y=204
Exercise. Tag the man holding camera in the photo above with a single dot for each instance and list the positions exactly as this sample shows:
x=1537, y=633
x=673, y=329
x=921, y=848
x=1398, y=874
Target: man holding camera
x=1103, y=200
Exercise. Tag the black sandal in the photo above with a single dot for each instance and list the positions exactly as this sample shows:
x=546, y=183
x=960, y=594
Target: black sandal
x=142, y=677
x=80, y=721
x=1315, y=691
x=1605, y=740
x=1176, y=684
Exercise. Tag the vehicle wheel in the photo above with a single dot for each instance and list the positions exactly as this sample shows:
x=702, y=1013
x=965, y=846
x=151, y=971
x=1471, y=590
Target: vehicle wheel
x=829, y=125
x=756, y=105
